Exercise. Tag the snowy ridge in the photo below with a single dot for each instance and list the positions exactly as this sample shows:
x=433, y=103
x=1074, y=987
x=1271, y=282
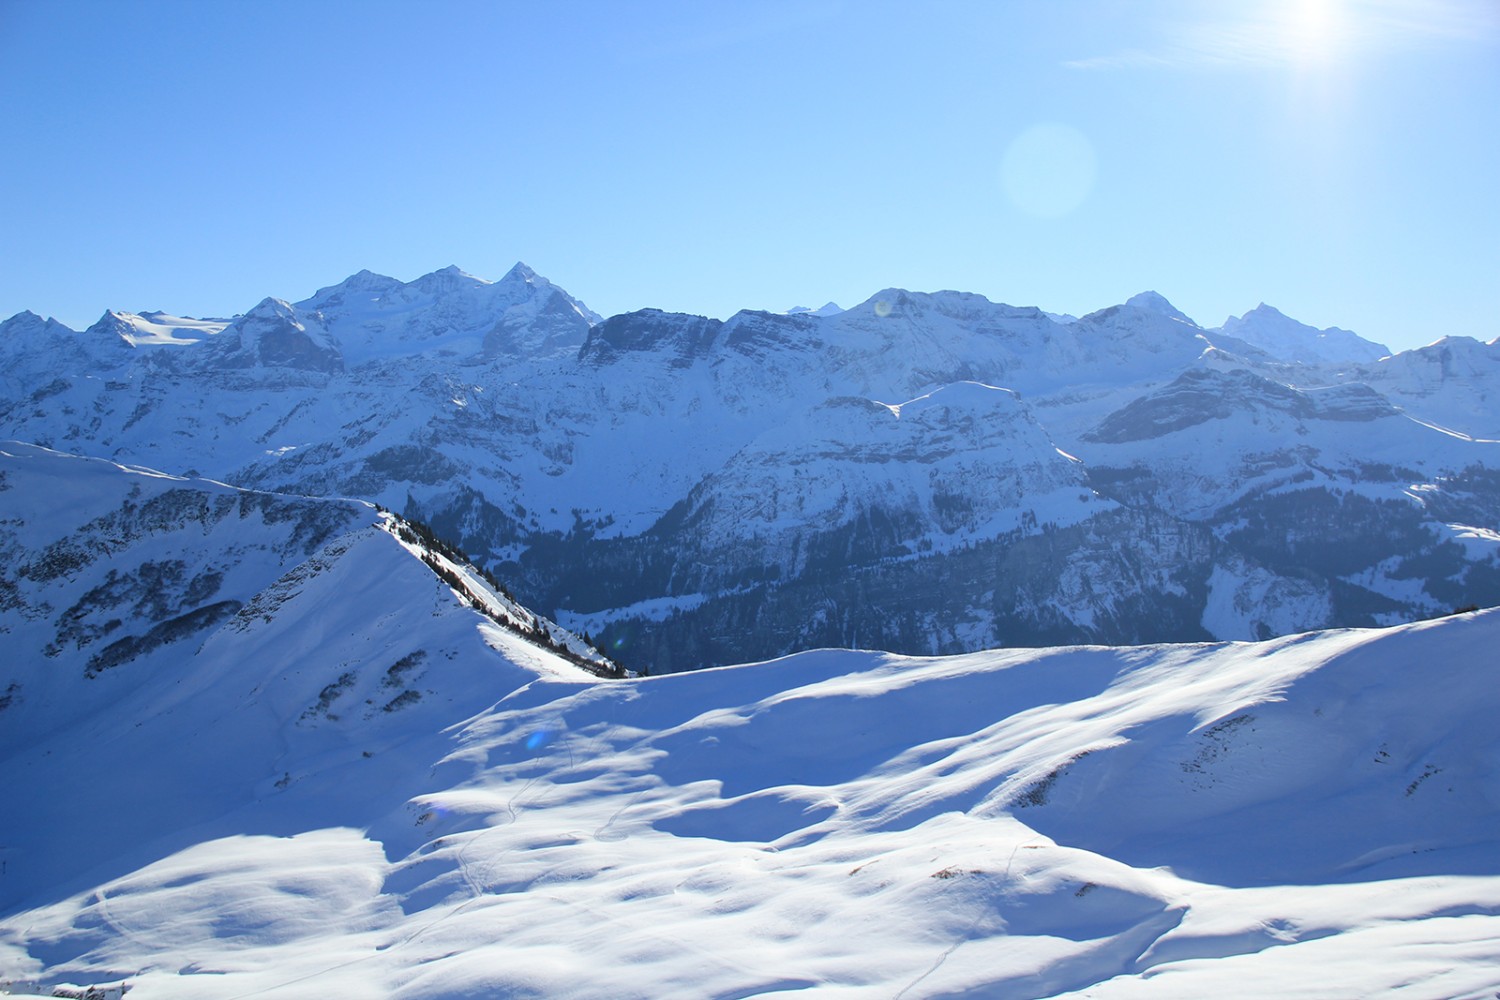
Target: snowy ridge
x=182, y=652
x=452, y=313
x=486, y=595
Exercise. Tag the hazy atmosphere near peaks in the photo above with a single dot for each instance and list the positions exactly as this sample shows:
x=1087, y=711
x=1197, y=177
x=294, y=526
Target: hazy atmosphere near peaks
x=1334, y=158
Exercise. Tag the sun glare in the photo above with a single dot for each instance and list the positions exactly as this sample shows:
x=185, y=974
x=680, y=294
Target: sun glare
x=1313, y=31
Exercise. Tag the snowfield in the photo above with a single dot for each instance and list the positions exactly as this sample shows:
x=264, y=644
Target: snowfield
x=261, y=810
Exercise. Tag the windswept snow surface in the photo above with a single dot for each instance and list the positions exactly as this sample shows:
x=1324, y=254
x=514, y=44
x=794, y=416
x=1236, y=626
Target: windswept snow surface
x=256, y=810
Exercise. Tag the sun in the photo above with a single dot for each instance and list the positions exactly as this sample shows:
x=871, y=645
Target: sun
x=1313, y=31
x=1314, y=18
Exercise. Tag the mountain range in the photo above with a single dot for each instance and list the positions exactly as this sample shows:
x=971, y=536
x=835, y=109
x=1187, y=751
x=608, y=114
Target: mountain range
x=923, y=472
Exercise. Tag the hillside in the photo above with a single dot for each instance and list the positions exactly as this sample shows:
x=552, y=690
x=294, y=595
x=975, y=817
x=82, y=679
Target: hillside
x=356, y=785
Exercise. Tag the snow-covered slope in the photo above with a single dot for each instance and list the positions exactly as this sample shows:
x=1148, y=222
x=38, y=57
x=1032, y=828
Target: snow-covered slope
x=1453, y=382
x=1209, y=438
x=275, y=334
x=169, y=642
x=356, y=786
x=158, y=329
x=968, y=460
x=36, y=354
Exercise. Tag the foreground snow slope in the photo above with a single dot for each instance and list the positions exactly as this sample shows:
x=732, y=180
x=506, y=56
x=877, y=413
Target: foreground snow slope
x=266, y=813
x=178, y=650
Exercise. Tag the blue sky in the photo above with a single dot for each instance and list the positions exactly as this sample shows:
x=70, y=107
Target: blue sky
x=1339, y=159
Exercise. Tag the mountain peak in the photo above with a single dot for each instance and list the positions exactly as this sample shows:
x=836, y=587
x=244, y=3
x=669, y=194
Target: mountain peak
x=521, y=271
x=112, y=329
x=1276, y=333
x=276, y=334
x=363, y=284
x=366, y=278
x=28, y=323
x=272, y=308
x=447, y=279
x=827, y=309
x=1157, y=303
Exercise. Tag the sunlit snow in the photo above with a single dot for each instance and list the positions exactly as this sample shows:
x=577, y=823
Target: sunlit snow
x=1314, y=815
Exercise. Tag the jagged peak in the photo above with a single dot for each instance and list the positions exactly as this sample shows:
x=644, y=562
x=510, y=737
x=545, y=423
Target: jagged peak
x=271, y=307
x=112, y=327
x=26, y=319
x=521, y=271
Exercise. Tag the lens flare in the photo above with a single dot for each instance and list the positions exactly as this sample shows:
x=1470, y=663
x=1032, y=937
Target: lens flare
x=1048, y=170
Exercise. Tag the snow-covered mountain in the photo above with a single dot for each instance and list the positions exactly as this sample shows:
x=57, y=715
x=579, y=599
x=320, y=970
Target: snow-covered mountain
x=347, y=781
x=826, y=309
x=1450, y=382
x=452, y=312
x=924, y=472
x=157, y=329
x=1283, y=337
